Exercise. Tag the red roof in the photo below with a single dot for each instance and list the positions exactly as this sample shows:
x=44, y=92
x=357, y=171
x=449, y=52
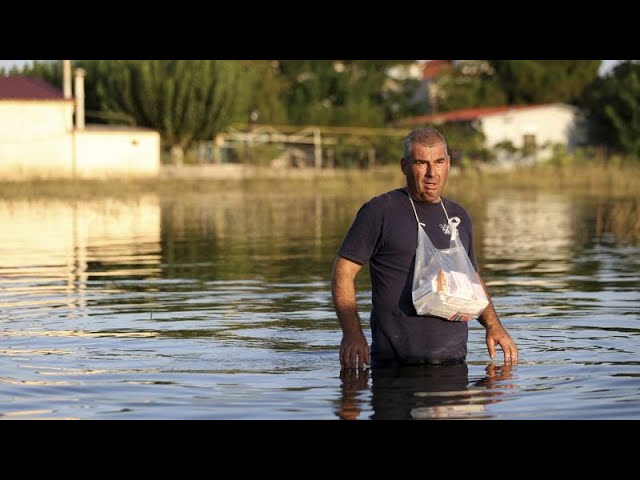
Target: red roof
x=17, y=87
x=463, y=115
x=433, y=68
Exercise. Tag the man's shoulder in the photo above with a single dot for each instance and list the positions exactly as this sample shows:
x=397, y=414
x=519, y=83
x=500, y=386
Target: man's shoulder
x=389, y=198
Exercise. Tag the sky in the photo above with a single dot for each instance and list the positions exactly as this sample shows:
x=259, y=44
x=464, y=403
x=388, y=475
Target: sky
x=604, y=68
x=11, y=63
x=607, y=65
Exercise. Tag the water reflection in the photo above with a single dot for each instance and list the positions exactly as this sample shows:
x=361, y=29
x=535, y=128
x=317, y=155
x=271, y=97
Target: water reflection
x=218, y=305
x=53, y=249
x=421, y=392
x=532, y=232
x=239, y=235
x=606, y=218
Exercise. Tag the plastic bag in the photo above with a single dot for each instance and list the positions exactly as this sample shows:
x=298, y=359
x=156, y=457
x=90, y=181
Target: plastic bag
x=445, y=284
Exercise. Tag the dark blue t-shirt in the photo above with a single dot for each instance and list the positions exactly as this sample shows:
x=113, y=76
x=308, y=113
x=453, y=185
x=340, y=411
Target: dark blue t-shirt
x=384, y=234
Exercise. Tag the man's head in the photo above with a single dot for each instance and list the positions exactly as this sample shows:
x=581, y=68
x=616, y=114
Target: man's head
x=425, y=164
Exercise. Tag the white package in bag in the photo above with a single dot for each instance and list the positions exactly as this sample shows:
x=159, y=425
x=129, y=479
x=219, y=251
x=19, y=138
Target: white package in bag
x=445, y=284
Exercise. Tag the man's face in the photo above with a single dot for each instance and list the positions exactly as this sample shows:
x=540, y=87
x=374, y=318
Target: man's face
x=426, y=171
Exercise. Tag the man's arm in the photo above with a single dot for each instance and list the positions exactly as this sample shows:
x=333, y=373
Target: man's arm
x=496, y=333
x=354, y=350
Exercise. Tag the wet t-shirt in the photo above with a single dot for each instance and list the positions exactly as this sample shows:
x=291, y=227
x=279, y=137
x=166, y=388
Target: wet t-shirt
x=384, y=234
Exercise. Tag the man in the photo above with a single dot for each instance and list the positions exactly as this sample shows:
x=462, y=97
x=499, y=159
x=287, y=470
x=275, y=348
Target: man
x=384, y=235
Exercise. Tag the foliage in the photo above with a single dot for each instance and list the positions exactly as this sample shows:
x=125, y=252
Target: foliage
x=613, y=104
x=544, y=81
x=464, y=91
x=267, y=88
x=343, y=92
x=388, y=150
x=192, y=100
x=403, y=100
x=506, y=146
x=186, y=100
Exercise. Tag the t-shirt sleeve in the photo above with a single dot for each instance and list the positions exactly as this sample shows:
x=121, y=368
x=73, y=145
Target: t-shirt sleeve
x=363, y=237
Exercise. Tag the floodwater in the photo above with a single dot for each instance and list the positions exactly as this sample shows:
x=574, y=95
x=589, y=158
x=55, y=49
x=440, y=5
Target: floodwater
x=218, y=306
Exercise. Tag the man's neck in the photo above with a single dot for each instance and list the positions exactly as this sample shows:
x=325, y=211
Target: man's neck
x=418, y=199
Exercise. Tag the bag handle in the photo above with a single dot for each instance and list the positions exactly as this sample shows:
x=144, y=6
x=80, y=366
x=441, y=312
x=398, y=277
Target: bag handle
x=453, y=222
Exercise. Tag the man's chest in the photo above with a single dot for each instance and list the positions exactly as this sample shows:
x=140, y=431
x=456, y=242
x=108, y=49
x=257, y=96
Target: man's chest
x=400, y=235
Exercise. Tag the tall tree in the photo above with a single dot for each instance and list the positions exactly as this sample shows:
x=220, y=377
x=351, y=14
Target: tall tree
x=613, y=103
x=545, y=81
x=267, y=91
x=460, y=90
x=339, y=92
x=185, y=100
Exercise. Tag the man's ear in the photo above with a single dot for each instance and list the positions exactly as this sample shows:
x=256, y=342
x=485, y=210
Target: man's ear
x=403, y=165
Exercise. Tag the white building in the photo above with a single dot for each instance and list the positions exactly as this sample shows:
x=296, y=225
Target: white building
x=38, y=137
x=539, y=126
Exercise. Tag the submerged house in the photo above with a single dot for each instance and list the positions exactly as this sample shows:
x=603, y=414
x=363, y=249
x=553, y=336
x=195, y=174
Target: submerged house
x=43, y=134
x=526, y=127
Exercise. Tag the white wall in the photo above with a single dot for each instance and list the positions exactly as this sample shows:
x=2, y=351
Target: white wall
x=555, y=123
x=109, y=152
x=35, y=138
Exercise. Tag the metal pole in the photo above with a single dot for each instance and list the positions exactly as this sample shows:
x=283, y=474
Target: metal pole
x=317, y=151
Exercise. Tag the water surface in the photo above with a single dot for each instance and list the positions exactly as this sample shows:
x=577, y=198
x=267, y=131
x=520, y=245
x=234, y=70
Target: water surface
x=218, y=306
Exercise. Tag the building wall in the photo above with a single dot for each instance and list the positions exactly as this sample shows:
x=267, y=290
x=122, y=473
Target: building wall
x=35, y=138
x=121, y=153
x=550, y=124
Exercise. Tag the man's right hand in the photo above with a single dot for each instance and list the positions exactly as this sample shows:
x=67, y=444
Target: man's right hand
x=354, y=351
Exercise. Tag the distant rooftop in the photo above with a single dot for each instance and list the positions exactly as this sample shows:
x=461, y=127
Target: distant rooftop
x=466, y=114
x=433, y=68
x=17, y=87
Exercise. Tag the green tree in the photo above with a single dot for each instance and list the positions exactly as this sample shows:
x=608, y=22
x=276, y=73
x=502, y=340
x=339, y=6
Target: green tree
x=465, y=91
x=544, y=81
x=185, y=100
x=342, y=92
x=613, y=104
x=267, y=91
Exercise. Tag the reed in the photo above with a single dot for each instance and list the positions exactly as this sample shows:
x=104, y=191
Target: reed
x=296, y=181
x=605, y=179
x=620, y=219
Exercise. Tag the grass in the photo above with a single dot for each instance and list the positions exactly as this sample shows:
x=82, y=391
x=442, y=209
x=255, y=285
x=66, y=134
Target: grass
x=605, y=180
x=609, y=180
x=294, y=181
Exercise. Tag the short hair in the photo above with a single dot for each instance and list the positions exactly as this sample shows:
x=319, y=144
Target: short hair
x=427, y=137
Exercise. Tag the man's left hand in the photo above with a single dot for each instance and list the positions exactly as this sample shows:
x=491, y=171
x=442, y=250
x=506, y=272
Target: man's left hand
x=497, y=335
